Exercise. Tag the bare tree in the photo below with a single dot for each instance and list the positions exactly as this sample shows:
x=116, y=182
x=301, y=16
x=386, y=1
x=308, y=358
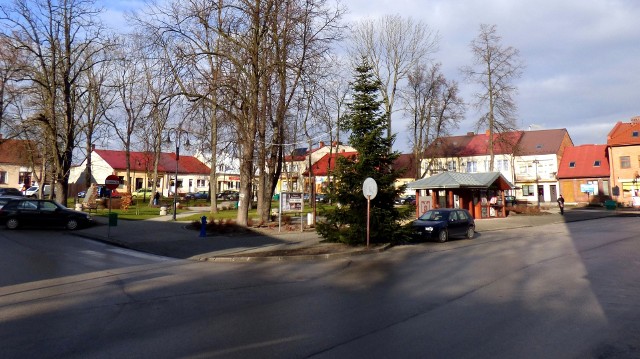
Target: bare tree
x=58, y=38
x=96, y=99
x=10, y=72
x=132, y=94
x=435, y=106
x=495, y=69
x=393, y=46
x=245, y=58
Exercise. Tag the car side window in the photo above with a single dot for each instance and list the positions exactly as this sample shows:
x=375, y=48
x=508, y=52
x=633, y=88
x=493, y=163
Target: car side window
x=28, y=205
x=453, y=216
x=462, y=215
x=48, y=206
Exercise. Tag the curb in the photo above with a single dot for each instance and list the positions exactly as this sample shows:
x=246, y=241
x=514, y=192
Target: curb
x=299, y=258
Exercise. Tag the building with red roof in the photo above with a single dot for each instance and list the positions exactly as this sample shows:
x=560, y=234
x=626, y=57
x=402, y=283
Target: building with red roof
x=583, y=174
x=528, y=159
x=193, y=175
x=407, y=165
x=296, y=164
x=624, y=157
x=16, y=169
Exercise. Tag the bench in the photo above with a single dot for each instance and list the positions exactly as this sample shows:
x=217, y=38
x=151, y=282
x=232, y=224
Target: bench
x=90, y=206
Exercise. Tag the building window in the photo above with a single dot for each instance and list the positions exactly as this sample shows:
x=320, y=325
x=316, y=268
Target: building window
x=472, y=167
x=527, y=190
x=503, y=165
x=572, y=164
x=201, y=183
x=625, y=162
x=451, y=166
x=634, y=134
x=596, y=164
x=3, y=177
x=25, y=178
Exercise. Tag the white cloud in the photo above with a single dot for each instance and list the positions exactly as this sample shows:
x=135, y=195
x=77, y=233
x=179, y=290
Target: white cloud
x=582, y=56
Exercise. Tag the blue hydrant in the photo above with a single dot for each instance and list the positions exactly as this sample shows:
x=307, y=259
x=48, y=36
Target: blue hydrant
x=203, y=226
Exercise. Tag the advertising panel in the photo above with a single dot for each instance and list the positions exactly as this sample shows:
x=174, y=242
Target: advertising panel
x=291, y=202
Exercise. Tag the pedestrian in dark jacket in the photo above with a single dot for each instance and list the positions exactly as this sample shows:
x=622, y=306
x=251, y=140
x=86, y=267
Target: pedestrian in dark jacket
x=156, y=198
x=561, y=204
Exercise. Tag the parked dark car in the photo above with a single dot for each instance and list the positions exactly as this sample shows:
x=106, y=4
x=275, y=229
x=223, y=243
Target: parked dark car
x=41, y=213
x=321, y=197
x=5, y=199
x=101, y=192
x=410, y=199
x=440, y=224
x=228, y=195
x=10, y=191
x=197, y=195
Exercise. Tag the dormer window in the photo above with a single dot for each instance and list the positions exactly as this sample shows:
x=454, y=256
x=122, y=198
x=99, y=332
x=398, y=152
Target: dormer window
x=596, y=164
x=539, y=147
x=572, y=164
x=634, y=134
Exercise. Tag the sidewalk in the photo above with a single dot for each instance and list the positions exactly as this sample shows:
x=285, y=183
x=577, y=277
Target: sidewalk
x=164, y=237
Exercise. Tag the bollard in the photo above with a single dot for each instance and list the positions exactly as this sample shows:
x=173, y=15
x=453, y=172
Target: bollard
x=203, y=226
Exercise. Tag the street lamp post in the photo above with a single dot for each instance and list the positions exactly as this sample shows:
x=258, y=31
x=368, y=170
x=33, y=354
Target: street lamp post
x=178, y=132
x=537, y=189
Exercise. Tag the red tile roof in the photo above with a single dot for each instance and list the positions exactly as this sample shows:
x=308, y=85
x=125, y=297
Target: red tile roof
x=515, y=142
x=503, y=143
x=328, y=163
x=451, y=146
x=140, y=161
x=624, y=134
x=579, y=162
x=407, y=164
x=15, y=152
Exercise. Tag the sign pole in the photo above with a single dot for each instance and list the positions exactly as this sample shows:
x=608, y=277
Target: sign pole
x=368, y=217
x=370, y=190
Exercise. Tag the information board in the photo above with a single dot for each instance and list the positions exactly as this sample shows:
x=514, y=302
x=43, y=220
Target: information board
x=292, y=202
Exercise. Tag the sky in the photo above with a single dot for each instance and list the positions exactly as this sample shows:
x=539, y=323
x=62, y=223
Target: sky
x=582, y=58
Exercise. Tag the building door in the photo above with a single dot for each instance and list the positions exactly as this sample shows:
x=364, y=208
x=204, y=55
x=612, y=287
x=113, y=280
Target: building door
x=540, y=193
x=554, y=193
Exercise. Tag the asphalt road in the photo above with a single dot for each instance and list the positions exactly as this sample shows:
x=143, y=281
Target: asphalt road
x=556, y=291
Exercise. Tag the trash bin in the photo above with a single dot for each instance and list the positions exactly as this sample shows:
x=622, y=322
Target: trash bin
x=113, y=219
x=609, y=204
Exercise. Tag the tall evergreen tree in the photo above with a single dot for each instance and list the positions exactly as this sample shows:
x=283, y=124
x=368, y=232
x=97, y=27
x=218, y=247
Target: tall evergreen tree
x=367, y=123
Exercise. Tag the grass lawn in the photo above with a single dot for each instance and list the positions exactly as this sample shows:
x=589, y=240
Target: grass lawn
x=142, y=211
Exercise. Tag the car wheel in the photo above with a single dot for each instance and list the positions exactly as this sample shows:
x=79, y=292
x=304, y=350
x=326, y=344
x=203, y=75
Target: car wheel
x=443, y=235
x=470, y=233
x=72, y=224
x=12, y=223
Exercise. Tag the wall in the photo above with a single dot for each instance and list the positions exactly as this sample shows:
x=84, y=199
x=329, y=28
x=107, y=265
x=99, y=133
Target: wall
x=624, y=177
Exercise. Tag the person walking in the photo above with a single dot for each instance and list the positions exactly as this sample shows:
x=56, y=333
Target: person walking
x=561, y=204
x=156, y=198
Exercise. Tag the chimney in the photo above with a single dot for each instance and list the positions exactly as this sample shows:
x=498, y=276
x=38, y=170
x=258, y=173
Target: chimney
x=470, y=133
x=321, y=144
x=93, y=147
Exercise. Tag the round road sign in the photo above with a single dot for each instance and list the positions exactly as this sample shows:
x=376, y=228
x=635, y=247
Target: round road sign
x=370, y=188
x=112, y=182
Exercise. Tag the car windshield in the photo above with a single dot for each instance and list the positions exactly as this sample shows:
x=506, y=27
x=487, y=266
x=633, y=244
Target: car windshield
x=434, y=216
